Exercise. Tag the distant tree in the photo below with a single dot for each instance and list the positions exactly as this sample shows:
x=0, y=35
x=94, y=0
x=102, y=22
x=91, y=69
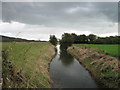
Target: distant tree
x=74, y=37
x=53, y=40
x=100, y=40
x=71, y=38
x=92, y=38
x=67, y=40
x=108, y=40
x=82, y=39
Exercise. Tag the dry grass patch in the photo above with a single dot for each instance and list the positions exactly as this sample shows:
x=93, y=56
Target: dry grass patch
x=29, y=59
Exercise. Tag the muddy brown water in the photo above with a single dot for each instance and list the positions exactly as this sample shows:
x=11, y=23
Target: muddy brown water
x=67, y=72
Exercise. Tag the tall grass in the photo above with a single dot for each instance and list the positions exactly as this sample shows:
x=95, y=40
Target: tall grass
x=104, y=68
x=30, y=60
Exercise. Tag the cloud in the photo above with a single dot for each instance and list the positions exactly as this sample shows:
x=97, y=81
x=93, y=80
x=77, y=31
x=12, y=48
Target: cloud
x=27, y=31
x=0, y=11
x=44, y=13
x=40, y=19
x=41, y=32
x=73, y=10
x=61, y=1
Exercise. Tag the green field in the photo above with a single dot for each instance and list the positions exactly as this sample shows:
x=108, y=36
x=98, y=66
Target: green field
x=112, y=50
x=30, y=60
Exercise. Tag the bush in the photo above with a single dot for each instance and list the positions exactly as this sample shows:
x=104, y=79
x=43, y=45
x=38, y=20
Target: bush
x=53, y=40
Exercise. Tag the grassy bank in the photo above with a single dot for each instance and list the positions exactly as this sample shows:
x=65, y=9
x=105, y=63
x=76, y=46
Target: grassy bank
x=25, y=64
x=103, y=68
x=112, y=50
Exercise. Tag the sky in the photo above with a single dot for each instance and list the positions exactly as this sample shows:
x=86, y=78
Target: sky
x=38, y=20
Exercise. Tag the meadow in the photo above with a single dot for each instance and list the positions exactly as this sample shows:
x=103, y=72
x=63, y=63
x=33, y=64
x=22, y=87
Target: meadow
x=112, y=50
x=25, y=64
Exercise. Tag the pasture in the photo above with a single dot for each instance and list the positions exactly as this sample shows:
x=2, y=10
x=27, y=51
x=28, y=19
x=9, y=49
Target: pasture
x=112, y=50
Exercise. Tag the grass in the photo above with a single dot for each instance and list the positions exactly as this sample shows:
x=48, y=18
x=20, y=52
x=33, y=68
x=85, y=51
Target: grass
x=30, y=59
x=104, y=71
x=112, y=50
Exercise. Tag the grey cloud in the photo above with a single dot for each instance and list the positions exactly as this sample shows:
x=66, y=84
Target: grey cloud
x=0, y=10
x=61, y=0
x=51, y=13
x=68, y=15
x=109, y=9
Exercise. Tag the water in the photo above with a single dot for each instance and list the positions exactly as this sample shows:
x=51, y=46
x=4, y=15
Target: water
x=67, y=72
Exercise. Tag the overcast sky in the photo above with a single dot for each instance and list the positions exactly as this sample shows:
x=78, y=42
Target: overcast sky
x=37, y=20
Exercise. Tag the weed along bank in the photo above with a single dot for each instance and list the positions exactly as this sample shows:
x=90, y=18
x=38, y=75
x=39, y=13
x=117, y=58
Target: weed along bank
x=26, y=64
x=103, y=68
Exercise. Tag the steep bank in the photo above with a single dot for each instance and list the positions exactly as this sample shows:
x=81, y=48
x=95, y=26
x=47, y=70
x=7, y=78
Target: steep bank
x=26, y=64
x=103, y=68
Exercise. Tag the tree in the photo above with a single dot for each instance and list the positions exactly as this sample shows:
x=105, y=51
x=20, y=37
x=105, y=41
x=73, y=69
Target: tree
x=74, y=37
x=67, y=40
x=53, y=40
x=92, y=38
x=82, y=39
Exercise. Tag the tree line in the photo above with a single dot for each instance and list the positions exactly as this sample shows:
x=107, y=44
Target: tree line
x=14, y=39
x=71, y=38
x=90, y=39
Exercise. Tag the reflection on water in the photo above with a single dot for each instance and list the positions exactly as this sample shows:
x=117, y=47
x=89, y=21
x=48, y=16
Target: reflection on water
x=65, y=58
x=66, y=72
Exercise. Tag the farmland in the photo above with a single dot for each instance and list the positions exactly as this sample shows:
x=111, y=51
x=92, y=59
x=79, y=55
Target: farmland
x=112, y=50
x=25, y=64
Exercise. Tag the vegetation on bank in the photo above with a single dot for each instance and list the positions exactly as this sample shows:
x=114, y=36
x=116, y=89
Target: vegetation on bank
x=103, y=68
x=53, y=40
x=25, y=64
x=107, y=49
